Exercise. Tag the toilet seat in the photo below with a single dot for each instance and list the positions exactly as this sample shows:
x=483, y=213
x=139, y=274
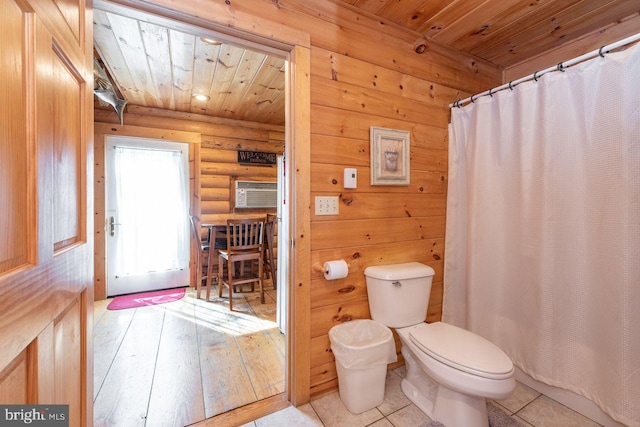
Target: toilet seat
x=462, y=350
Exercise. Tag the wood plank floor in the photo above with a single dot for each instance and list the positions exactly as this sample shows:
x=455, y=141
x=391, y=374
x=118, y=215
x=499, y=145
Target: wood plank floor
x=179, y=363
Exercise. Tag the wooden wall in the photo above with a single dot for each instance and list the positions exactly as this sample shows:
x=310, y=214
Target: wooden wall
x=366, y=74
x=214, y=144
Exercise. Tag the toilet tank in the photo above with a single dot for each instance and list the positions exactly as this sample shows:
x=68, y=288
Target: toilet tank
x=399, y=293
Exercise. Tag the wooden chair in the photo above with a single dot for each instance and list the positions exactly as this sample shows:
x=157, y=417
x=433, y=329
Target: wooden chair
x=270, y=266
x=218, y=239
x=202, y=255
x=244, y=243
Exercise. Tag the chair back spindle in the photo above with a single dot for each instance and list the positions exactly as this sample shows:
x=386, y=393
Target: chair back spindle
x=244, y=234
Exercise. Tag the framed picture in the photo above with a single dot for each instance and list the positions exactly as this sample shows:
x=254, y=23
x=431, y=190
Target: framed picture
x=389, y=156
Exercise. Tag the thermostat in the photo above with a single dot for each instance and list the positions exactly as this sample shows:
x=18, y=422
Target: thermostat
x=350, y=178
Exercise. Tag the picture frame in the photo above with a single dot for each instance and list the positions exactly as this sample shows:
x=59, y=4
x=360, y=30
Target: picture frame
x=390, y=153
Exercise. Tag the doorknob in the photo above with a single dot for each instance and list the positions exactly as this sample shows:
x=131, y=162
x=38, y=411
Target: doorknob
x=112, y=226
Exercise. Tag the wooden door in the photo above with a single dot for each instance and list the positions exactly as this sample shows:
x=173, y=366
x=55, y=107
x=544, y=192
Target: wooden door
x=46, y=203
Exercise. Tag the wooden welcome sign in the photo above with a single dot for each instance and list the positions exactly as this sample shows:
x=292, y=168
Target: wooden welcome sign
x=256, y=158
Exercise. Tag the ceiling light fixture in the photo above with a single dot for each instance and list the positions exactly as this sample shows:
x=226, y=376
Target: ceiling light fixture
x=201, y=97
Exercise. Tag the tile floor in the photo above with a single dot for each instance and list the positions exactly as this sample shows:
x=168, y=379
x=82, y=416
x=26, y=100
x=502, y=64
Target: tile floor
x=526, y=405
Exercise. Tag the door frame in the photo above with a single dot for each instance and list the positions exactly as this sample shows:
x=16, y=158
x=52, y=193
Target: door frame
x=101, y=131
x=247, y=29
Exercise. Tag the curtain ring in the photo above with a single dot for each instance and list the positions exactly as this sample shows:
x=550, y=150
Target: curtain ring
x=600, y=51
x=457, y=103
x=490, y=92
x=535, y=76
x=472, y=101
x=560, y=67
x=510, y=86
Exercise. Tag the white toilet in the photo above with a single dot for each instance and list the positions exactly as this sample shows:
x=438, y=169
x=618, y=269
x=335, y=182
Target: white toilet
x=450, y=371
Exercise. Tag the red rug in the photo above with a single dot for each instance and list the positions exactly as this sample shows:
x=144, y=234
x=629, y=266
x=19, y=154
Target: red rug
x=146, y=298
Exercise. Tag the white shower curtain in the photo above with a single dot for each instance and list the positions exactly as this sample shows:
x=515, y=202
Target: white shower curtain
x=543, y=228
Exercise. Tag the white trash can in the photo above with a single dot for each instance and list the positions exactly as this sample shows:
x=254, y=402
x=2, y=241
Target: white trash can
x=362, y=348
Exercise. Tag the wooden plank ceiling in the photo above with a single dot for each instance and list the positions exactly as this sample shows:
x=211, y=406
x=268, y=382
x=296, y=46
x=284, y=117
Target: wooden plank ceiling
x=154, y=66
x=503, y=32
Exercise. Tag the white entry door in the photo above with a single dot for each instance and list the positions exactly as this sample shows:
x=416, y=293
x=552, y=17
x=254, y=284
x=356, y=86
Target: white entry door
x=147, y=224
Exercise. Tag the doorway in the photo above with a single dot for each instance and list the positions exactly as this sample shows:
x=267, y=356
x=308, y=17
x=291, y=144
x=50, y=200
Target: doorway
x=302, y=135
x=147, y=206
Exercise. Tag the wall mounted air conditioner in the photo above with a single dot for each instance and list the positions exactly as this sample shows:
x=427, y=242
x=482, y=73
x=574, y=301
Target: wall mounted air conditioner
x=256, y=194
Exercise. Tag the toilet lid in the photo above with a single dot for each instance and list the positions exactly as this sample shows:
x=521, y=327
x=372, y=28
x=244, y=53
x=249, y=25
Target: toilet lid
x=462, y=349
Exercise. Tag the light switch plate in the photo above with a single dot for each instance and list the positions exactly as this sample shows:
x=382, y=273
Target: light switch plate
x=327, y=205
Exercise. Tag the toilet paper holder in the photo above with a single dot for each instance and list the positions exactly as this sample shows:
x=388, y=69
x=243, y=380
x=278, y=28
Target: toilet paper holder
x=320, y=268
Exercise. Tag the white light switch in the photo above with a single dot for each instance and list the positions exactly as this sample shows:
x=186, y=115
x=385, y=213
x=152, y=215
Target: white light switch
x=350, y=178
x=327, y=205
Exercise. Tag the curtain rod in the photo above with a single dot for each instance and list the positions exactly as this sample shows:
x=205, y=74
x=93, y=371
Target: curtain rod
x=125, y=147
x=562, y=66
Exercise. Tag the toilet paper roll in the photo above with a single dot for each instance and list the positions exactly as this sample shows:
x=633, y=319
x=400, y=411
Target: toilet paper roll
x=337, y=269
